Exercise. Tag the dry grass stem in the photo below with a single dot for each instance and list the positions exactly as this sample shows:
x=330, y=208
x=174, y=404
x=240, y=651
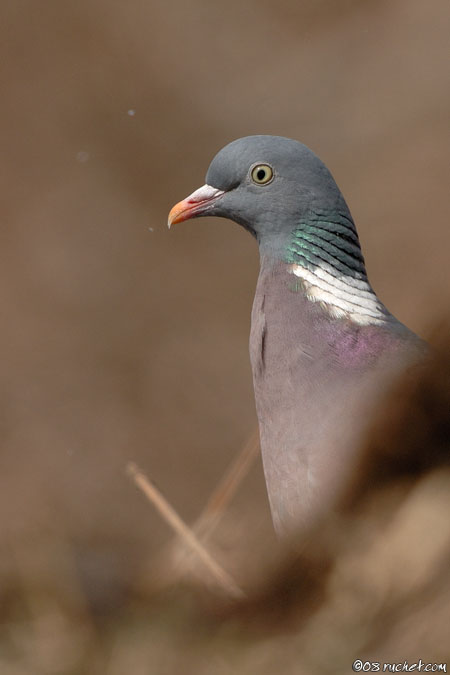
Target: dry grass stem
x=227, y=487
x=183, y=530
x=175, y=561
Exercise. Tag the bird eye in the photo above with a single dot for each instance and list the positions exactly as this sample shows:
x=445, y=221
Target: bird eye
x=262, y=174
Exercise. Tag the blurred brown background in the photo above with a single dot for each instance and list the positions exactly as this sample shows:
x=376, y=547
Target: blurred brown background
x=122, y=341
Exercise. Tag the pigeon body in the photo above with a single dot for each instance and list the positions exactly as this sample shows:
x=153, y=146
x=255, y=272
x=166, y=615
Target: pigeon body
x=323, y=347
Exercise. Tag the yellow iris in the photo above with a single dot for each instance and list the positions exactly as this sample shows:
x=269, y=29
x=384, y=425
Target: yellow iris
x=262, y=173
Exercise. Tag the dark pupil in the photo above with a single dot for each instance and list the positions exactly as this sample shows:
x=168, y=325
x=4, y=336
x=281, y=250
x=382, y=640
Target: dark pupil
x=261, y=174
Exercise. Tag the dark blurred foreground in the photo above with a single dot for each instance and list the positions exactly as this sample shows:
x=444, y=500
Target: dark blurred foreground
x=372, y=581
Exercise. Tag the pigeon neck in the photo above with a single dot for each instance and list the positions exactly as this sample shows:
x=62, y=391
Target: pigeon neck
x=323, y=252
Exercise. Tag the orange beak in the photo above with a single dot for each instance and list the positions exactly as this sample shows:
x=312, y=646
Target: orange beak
x=197, y=204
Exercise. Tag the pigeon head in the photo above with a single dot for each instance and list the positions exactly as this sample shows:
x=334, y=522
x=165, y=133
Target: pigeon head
x=267, y=184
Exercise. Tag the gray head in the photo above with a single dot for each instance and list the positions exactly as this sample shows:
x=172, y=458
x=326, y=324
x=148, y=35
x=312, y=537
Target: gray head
x=267, y=184
x=283, y=194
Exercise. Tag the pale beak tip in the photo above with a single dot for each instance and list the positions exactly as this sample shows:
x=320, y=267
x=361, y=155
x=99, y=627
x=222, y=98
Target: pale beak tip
x=173, y=215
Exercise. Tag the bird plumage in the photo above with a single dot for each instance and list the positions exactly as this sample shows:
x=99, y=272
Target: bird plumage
x=323, y=347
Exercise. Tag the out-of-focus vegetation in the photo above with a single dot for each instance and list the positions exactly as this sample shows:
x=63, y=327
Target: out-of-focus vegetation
x=370, y=582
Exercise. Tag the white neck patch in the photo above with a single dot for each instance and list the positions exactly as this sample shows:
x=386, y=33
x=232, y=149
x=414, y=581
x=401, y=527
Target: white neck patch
x=341, y=296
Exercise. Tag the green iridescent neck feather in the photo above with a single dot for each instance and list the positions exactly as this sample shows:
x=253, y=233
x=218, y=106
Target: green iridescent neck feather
x=323, y=252
x=327, y=241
